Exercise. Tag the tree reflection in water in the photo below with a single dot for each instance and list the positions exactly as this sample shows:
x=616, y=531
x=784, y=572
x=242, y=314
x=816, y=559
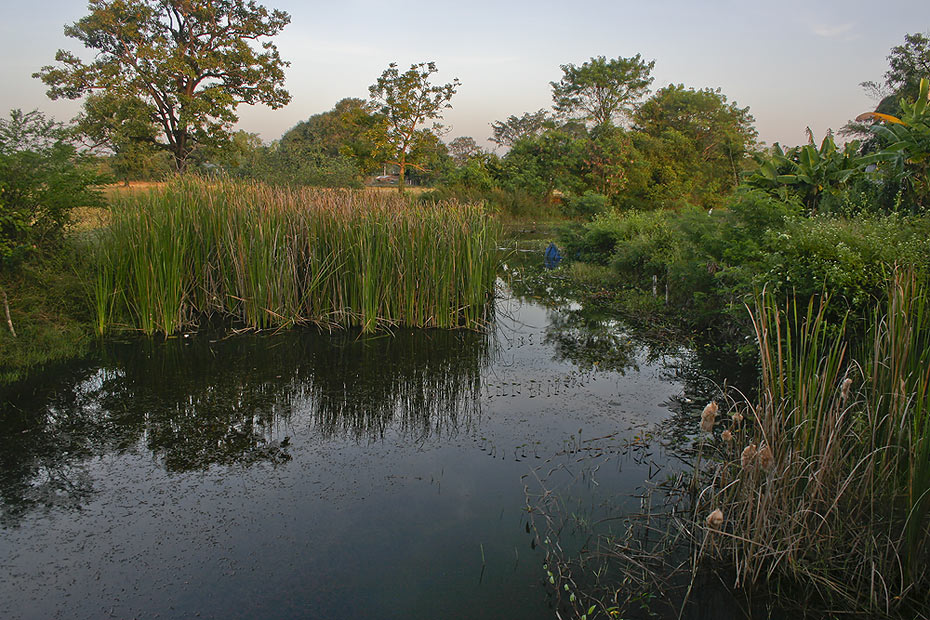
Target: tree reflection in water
x=207, y=400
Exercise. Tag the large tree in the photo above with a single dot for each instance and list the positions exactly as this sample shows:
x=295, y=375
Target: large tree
x=189, y=62
x=408, y=100
x=601, y=91
x=507, y=132
x=722, y=132
x=464, y=148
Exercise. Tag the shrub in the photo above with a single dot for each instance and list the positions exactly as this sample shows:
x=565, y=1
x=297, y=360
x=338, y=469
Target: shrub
x=42, y=178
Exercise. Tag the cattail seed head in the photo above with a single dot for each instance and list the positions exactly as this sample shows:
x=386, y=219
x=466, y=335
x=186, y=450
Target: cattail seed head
x=766, y=458
x=715, y=519
x=708, y=416
x=748, y=456
x=844, y=390
x=737, y=417
x=727, y=435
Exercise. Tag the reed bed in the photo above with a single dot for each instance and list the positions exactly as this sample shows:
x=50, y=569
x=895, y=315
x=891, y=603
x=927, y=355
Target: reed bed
x=825, y=479
x=271, y=257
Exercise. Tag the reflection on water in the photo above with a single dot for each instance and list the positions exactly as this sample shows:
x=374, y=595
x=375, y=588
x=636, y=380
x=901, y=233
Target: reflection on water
x=208, y=400
x=328, y=475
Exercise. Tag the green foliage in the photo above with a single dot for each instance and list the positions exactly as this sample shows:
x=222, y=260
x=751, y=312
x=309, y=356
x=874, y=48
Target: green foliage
x=48, y=306
x=478, y=181
x=587, y=205
x=845, y=427
x=121, y=125
x=719, y=134
x=406, y=101
x=602, y=91
x=508, y=132
x=686, y=147
x=274, y=257
x=347, y=131
x=551, y=161
x=817, y=177
x=906, y=146
x=183, y=65
x=463, y=149
x=908, y=64
x=42, y=178
x=713, y=262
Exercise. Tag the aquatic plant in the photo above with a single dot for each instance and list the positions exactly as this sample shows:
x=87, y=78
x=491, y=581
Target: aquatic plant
x=271, y=257
x=836, y=497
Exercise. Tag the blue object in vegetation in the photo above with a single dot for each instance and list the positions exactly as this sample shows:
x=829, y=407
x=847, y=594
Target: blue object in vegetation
x=553, y=256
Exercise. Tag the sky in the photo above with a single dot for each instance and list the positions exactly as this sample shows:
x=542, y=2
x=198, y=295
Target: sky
x=795, y=64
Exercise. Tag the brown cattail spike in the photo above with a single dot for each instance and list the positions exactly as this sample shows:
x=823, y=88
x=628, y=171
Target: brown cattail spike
x=708, y=416
x=766, y=458
x=844, y=390
x=748, y=456
x=715, y=519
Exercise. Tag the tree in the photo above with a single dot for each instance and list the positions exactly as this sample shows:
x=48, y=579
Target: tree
x=507, y=132
x=349, y=130
x=462, y=149
x=601, y=90
x=121, y=126
x=722, y=132
x=407, y=100
x=190, y=63
x=332, y=149
x=906, y=143
x=42, y=177
x=908, y=63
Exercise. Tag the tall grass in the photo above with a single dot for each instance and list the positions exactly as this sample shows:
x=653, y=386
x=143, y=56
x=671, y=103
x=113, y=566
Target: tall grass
x=275, y=257
x=843, y=506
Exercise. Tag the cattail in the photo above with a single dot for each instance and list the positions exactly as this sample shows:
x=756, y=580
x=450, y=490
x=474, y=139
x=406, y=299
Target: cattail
x=844, y=390
x=727, y=435
x=766, y=458
x=708, y=416
x=715, y=519
x=748, y=455
x=737, y=417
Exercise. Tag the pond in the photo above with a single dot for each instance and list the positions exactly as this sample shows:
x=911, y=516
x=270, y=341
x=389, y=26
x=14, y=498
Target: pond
x=330, y=475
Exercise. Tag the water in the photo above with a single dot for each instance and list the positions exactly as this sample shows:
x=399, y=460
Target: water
x=329, y=475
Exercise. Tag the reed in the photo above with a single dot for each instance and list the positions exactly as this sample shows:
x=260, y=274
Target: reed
x=840, y=502
x=271, y=257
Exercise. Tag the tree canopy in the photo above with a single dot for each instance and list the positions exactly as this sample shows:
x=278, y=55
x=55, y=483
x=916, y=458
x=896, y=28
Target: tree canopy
x=189, y=63
x=601, y=91
x=407, y=100
x=42, y=178
x=463, y=149
x=908, y=63
x=722, y=133
x=333, y=148
x=507, y=132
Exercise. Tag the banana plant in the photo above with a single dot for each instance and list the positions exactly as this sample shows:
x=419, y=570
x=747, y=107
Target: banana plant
x=808, y=171
x=906, y=141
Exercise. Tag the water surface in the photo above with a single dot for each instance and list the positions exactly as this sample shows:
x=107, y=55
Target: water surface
x=327, y=475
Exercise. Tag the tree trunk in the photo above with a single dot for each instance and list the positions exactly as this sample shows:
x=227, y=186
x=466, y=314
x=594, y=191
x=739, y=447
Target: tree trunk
x=6, y=310
x=400, y=177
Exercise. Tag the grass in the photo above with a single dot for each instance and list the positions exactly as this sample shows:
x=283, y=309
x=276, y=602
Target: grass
x=49, y=311
x=842, y=508
x=274, y=257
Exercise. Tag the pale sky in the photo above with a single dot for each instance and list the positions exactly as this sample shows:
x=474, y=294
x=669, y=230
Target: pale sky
x=794, y=63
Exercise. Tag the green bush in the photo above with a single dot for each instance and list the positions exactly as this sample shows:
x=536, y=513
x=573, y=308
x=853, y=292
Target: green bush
x=42, y=178
x=711, y=263
x=587, y=205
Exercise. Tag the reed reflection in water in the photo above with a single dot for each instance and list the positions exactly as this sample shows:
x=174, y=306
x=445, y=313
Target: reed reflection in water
x=208, y=401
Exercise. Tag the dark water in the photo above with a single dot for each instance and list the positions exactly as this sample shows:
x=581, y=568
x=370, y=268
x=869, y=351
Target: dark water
x=321, y=475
